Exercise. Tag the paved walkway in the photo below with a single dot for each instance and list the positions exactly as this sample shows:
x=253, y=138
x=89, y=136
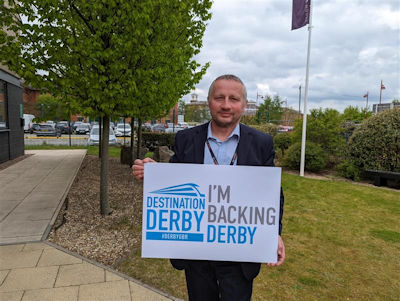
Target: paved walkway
x=31, y=194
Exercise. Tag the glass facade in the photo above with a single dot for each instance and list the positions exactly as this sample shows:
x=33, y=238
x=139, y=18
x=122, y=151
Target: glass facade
x=3, y=105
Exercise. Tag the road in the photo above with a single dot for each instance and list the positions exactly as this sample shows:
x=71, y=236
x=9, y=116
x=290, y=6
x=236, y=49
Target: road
x=77, y=140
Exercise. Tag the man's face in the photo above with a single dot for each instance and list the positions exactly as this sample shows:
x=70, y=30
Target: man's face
x=227, y=103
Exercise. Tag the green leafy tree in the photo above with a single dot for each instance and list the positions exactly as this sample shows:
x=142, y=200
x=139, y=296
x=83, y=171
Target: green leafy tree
x=270, y=111
x=54, y=108
x=165, y=69
x=354, y=114
x=323, y=128
x=106, y=56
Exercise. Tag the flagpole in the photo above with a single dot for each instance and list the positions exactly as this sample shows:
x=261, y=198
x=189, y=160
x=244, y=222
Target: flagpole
x=380, y=94
x=366, y=109
x=303, y=137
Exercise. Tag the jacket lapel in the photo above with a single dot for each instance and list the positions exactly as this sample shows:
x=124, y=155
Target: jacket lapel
x=243, y=147
x=199, y=142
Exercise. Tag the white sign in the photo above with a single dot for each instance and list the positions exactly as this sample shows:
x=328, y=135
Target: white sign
x=210, y=212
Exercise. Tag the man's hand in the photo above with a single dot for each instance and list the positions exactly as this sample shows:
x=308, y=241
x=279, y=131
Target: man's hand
x=281, y=253
x=138, y=167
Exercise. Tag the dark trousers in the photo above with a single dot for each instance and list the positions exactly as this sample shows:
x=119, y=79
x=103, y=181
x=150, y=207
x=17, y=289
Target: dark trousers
x=217, y=281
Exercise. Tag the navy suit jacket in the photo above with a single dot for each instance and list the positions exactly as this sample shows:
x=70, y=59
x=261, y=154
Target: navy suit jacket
x=255, y=149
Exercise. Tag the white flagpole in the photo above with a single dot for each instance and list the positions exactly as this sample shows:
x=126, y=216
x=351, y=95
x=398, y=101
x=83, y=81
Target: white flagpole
x=303, y=137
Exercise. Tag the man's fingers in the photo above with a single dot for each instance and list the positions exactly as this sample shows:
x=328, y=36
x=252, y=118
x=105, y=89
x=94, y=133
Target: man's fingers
x=138, y=167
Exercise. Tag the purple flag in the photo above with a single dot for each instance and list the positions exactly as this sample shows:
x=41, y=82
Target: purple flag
x=300, y=13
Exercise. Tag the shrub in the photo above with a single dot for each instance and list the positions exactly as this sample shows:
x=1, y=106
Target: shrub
x=348, y=170
x=267, y=128
x=375, y=144
x=282, y=141
x=152, y=140
x=315, y=158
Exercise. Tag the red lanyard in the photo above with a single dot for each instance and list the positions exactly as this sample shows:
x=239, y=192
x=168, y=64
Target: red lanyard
x=215, y=159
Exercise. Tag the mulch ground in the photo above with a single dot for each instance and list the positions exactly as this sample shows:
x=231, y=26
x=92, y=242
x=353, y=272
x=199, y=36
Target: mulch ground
x=82, y=229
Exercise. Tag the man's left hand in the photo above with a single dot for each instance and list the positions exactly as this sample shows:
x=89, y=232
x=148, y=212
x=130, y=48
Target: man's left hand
x=281, y=253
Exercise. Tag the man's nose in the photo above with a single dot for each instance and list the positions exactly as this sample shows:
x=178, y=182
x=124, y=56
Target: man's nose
x=226, y=103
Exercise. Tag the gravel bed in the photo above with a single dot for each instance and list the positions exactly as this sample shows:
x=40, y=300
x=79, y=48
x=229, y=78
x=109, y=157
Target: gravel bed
x=80, y=227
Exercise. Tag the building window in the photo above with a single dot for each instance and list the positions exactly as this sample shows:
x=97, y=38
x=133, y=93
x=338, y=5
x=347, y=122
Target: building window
x=3, y=105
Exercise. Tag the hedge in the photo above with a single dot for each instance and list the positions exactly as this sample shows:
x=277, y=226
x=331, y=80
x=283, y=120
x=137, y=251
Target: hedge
x=375, y=144
x=152, y=140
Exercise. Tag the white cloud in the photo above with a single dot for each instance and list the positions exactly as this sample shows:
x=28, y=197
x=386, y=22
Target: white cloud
x=355, y=44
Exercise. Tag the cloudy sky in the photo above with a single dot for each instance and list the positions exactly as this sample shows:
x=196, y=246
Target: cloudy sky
x=354, y=45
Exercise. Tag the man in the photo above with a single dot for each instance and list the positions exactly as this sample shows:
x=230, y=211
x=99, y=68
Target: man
x=222, y=141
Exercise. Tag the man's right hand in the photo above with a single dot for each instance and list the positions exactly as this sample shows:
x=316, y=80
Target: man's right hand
x=138, y=167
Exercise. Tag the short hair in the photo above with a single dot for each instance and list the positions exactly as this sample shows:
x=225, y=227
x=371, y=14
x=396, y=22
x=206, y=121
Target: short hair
x=227, y=77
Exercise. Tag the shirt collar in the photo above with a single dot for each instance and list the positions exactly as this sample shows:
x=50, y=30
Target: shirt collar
x=235, y=132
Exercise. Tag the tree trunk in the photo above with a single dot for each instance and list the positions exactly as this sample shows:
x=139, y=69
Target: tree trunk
x=132, y=139
x=100, y=134
x=139, y=138
x=104, y=206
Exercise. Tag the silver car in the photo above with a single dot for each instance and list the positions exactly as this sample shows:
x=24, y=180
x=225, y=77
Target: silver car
x=94, y=137
x=123, y=130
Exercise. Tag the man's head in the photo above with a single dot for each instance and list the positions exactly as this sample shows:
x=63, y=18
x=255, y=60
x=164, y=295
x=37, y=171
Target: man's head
x=227, y=77
x=227, y=100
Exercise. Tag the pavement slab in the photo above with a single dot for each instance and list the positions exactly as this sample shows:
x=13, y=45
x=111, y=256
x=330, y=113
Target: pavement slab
x=106, y=291
x=3, y=275
x=11, y=296
x=29, y=278
x=77, y=274
x=139, y=293
x=36, y=246
x=112, y=277
x=56, y=257
x=15, y=229
x=17, y=260
x=53, y=294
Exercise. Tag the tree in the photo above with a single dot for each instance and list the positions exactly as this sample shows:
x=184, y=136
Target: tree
x=323, y=128
x=270, y=111
x=107, y=56
x=52, y=108
x=165, y=69
x=354, y=114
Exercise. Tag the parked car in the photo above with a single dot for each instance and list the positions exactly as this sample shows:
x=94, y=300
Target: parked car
x=123, y=129
x=48, y=130
x=158, y=127
x=94, y=137
x=64, y=127
x=34, y=128
x=183, y=124
x=174, y=129
x=146, y=126
x=83, y=128
x=75, y=125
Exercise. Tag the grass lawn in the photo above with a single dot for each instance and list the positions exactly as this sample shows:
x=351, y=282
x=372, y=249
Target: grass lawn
x=342, y=243
x=113, y=151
